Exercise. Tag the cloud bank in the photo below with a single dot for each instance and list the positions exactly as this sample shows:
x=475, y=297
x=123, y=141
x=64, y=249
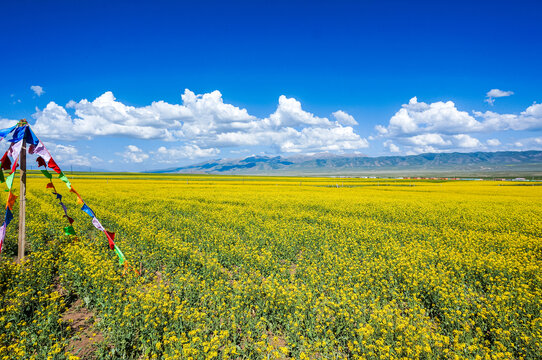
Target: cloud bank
x=201, y=124
x=420, y=127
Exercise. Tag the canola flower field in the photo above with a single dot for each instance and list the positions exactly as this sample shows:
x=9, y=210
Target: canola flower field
x=279, y=268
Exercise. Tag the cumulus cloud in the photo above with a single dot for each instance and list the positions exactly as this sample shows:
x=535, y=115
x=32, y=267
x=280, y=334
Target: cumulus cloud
x=176, y=154
x=465, y=141
x=133, y=154
x=344, y=118
x=201, y=122
x=38, y=90
x=441, y=126
x=418, y=117
x=493, y=142
x=69, y=155
x=391, y=146
x=290, y=114
x=492, y=94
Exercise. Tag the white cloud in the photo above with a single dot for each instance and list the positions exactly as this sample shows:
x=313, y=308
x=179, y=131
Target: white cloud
x=54, y=122
x=440, y=126
x=38, y=90
x=465, y=141
x=290, y=114
x=334, y=139
x=133, y=154
x=493, y=142
x=66, y=155
x=202, y=121
x=530, y=119
x=418, y=117
x=492, y=94
x=177, y=154
x=533, y=143
x=344, y=118
x=427, y=139
x=392, y=147
x=133, y=148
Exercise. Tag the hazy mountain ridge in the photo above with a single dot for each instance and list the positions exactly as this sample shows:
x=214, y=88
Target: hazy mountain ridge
x=519, y=161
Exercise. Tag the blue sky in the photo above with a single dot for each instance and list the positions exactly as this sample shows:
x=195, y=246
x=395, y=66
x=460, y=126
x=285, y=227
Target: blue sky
x=270, y=78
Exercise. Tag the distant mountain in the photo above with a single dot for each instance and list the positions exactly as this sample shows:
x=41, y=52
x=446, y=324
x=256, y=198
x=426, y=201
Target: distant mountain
x=502, y=162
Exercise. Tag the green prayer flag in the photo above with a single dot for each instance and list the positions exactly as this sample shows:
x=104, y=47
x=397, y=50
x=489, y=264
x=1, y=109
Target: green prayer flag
x=47, y=174
x=68, y=230
x=9, y=180
x=63, y=177
x=120, y=255
x=2, y=176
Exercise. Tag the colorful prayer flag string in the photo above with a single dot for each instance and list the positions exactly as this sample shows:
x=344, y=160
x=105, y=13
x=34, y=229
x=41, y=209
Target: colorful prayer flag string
x=36, y=147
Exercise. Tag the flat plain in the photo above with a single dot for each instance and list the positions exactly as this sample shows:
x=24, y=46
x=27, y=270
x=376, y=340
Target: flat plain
x=276, y=267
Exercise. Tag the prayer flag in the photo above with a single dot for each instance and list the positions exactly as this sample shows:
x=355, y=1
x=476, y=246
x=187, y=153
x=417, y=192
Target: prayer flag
x=120, y=255
x=14, y=166
x=86, y=209
x=6, y=162
x=69, y=230
x=2, y=235
x=14, y=150
x=47, y=174
x=50, y=186
x=9, y=180
x=110, y=238
x=63, y=177
x=30, y=137
x=4, y=132
x=41, y=151
x=97, y=224
x=41, y=162
x=52, y=164
x=9, y=216
x=18, y=134
x=11, y=200
x=79, y=199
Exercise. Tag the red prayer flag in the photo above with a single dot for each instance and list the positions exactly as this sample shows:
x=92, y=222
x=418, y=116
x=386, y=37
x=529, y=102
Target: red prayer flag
x=69, y=219
x=52, y=164
x=41, y=162
x=50, y=186
x=110, y=238
x=14, y=167
x=6, y=162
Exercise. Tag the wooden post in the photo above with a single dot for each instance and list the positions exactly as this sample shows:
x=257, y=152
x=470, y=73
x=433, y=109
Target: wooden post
x=22, y=202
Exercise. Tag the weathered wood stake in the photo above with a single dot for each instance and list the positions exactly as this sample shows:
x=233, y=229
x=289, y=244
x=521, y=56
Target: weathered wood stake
x=22, y=203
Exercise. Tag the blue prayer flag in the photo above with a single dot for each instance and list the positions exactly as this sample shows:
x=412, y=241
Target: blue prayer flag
x=4, y=132
x=30, y=137
x=86, y=209
x=18, y=134
x=9, y=216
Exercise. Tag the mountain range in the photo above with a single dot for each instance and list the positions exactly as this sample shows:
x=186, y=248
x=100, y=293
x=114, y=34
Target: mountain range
x=502, y=163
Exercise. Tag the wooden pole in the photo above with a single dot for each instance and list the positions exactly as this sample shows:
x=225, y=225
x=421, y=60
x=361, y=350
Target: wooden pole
x=22, y=202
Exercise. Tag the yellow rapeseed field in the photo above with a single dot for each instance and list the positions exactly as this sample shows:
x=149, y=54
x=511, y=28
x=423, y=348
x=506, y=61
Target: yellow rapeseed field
x=278, y=268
